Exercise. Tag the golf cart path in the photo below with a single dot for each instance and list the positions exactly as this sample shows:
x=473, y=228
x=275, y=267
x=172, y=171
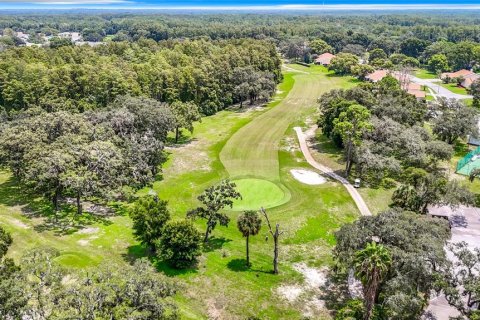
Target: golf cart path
x=302, y=139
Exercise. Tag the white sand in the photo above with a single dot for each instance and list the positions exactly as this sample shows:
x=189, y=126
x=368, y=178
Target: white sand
x=90, y=230
x=308, y=177
x=290, y=293
x=314, y=278
x=18, y=223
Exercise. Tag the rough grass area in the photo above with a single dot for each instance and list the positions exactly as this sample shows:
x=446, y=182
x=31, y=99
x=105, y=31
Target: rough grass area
x=220, y=286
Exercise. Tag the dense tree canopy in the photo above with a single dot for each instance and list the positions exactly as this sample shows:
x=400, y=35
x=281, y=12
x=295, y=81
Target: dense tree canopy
x=418, y=259
x=83, y=78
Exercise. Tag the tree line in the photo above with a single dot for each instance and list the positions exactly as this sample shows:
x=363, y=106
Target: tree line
x=386, y=30
x=211, y=75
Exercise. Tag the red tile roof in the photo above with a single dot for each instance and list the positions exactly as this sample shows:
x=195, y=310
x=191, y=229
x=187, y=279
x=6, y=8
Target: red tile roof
x=325, y=58
x=418, y=93
x=456, y=74
x=467, y=83
x=377, y=75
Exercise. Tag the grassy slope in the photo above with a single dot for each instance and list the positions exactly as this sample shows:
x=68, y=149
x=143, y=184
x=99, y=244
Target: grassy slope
x=219, y=285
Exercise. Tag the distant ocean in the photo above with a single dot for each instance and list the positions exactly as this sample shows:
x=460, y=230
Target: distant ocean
x=245, y=4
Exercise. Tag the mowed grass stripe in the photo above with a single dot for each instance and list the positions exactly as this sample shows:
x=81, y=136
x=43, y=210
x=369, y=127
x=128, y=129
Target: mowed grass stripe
x=253, y=150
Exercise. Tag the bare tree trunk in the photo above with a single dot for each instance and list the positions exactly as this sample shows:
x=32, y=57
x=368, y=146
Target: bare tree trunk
x=79, y=203
x=207, y=233
x=276, y=236
x=55, y=204
x=275, y=249
x=370, y=296
x=177, y=134
x=248, y=252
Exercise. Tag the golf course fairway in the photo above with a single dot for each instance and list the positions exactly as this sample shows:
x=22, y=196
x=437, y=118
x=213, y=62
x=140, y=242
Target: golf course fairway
x=253, y=150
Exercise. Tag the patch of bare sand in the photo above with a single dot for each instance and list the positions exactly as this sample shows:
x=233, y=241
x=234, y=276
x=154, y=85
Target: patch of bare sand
x=308, y=177
x=90, y=230
x=86, y=242
x=308, y=293
x=18, y=223
x=290, y=292
x=314, y=278
x=189, y=156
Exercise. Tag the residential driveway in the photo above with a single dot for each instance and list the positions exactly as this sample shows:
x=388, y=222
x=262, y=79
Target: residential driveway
x=438, y=90
x=465, y=222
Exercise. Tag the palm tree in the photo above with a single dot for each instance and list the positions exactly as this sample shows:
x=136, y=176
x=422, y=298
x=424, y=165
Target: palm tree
x=249, y=224
x=371, y=265
x=474, y=174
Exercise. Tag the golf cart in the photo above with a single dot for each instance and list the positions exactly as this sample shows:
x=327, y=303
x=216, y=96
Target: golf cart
x=356, y=184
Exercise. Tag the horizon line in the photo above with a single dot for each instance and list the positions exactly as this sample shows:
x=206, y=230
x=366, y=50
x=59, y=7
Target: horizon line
x=66, y=5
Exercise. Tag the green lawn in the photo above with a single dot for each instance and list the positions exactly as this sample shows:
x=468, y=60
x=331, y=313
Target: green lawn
x=454, y=88
x=425, y=74
x=222, y=146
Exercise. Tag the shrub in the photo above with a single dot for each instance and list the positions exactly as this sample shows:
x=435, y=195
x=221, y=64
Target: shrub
x=180, y=244
x=388, y=183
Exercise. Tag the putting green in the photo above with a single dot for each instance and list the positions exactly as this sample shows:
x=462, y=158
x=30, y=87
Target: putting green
x=257, y=193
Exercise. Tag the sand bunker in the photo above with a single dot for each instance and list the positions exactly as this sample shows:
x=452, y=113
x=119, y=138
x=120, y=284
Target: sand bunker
x=308, y=177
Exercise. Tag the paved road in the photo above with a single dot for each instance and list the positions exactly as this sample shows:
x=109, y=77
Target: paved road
x=302, y=139
x=439, y=91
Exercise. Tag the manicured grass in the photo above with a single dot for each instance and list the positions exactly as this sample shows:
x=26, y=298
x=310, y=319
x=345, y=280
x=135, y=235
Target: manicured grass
x=454, y=88
x=219, y=148
x=252, y=150
x=309, y=217
x=257, y=193
x=425, y=74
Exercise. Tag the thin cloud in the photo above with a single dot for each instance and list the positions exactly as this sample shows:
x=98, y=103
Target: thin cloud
x=308, y=7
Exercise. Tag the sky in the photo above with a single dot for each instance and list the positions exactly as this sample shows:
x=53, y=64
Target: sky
x=245, y=4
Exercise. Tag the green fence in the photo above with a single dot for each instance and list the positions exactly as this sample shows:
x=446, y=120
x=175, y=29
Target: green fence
x=465, y=160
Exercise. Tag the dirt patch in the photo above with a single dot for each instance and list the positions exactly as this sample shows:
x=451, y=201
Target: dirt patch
x=90, y=230
x=83, y=242
x=290, y=293
x=188, y=156
x=289, y=145
x=308, y=177
x=314, y=278
x=18, y=223
x=215, y=311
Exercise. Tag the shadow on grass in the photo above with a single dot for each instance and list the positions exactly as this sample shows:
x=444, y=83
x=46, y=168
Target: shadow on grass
x=240, y=265
x=32, y=205
x=460, y=149
x=139, y=251
x=215, y=243
x=322, y=144
x=182, y=141
x=335, y=291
